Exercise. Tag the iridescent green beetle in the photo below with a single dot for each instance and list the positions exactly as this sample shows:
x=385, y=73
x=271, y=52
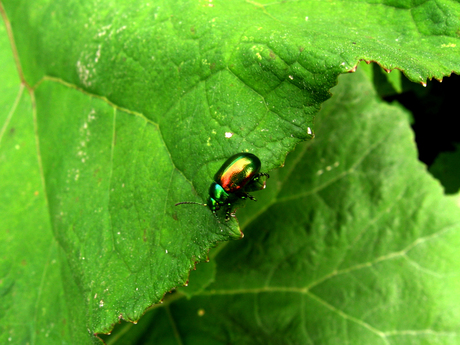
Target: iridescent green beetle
x=239, y=175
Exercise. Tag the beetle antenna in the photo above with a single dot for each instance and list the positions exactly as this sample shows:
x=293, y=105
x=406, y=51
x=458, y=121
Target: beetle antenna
x=190, y=202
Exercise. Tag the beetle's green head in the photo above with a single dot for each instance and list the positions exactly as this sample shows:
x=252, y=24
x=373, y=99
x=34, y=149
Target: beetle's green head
x=217, y=196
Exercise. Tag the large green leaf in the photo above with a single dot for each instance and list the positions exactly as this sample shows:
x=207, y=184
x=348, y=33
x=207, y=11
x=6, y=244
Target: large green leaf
x=355, y=244
x=112, y=112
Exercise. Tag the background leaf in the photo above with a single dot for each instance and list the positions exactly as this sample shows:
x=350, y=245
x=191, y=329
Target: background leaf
x=122, y=109
x=357, y=245
x=446, y=168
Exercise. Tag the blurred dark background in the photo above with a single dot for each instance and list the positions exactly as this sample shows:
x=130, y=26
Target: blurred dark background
x=435, y=110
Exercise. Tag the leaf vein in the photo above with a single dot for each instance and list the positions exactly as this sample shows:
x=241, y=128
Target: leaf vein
x=12, y=111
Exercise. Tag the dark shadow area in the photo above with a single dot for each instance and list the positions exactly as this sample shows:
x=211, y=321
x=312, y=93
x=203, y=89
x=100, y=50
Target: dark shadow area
x=436, y=111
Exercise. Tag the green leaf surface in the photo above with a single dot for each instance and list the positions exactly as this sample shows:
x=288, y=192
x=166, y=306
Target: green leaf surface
x=112, y=112
x=358, y=245
x=386, y=84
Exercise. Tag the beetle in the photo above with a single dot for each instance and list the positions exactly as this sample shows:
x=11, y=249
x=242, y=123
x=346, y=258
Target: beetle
x=239, y=175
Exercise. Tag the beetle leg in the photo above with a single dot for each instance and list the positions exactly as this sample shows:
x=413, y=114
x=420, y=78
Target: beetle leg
x=261, y=174
x=227, y=213
x=246, y=195
x=251, y=197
